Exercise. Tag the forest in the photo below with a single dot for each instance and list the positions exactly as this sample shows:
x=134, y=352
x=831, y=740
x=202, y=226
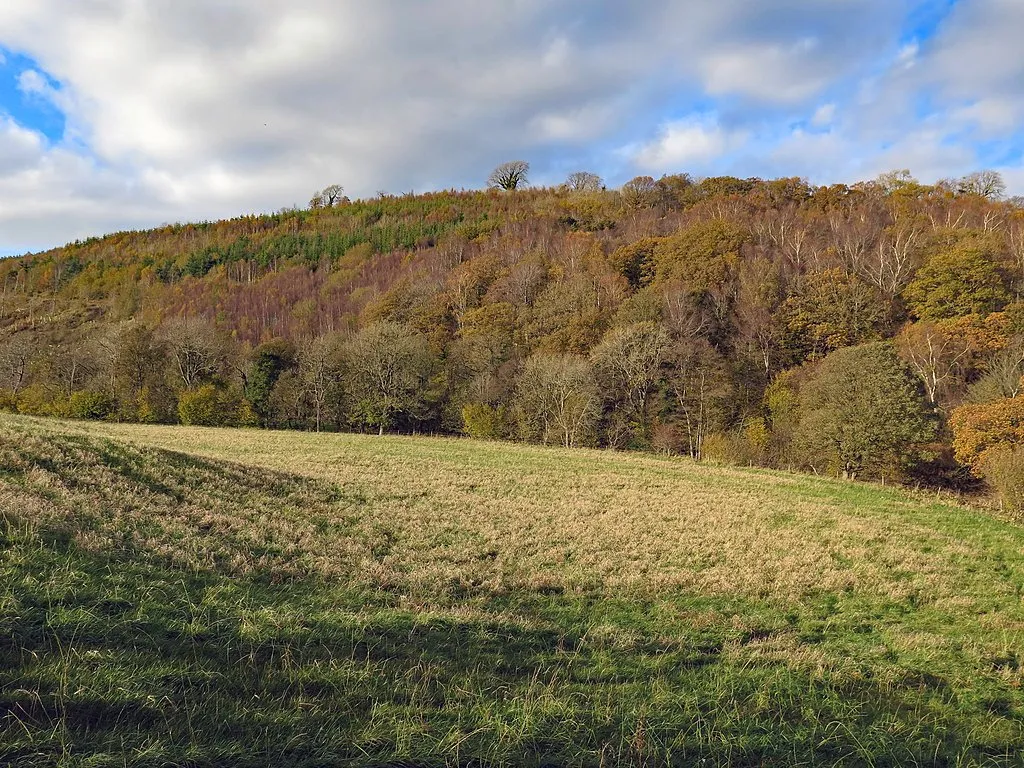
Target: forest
x=871, y=331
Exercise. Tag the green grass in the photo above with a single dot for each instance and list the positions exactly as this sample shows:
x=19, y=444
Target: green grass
x=175, y=596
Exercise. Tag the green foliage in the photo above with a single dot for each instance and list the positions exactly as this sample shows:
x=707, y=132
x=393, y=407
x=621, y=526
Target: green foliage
x=486, y=422
x=201, y=407
x=862, y=412
x=701, y=257
x=267, y=362
x=966, y=279
x=1003, y=468
x=87, y=404
x=835, y=309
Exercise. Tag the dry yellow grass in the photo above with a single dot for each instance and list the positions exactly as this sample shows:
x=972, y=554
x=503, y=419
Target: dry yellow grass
x=492, y=515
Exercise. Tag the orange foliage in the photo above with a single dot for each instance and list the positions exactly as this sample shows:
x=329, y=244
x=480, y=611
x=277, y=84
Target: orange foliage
x=979, y=429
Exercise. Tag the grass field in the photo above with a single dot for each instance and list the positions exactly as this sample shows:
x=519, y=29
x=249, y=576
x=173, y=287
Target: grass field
x=182, y=596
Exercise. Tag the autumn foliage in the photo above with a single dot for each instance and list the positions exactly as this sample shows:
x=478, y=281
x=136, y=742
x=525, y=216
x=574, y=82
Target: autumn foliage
x=675, y=314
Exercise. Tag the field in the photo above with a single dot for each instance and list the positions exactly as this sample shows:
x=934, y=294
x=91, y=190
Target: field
x=203, y=597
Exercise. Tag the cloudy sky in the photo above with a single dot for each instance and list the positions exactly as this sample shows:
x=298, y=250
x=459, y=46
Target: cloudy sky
x=119, y=114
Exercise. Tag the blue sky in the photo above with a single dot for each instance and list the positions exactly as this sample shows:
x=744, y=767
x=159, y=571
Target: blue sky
x=124, y=114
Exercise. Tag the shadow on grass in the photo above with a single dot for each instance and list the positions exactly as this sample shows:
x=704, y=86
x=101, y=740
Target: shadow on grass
x=113, y=662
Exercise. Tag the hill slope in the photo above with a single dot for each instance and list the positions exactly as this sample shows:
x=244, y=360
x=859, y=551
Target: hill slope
x=712, y=318
x=219, y=597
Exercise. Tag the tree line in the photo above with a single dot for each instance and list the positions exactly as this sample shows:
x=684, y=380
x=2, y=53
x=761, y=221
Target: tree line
x=873, y=330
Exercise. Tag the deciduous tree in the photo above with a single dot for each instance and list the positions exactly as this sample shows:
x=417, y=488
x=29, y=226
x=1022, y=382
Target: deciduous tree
x=639, y=192
x=966, y=279
x=934, y=354
x=698, y=389
x=196, y=347
x=626, y=362
x=557, y=399
x=979, y=429
x=584, y=181
x=509, y=176
x=863, y=412
x=319, y=373
x=387, y=366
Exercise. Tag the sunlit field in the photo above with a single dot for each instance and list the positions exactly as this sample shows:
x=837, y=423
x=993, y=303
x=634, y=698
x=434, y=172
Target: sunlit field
x=175, y=595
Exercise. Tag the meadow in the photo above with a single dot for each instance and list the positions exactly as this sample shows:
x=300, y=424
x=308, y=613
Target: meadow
x=216, y=597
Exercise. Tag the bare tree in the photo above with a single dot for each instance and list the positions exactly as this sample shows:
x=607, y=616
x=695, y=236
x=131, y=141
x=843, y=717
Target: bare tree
x=509, y=176
x=584, y=181
x=759, y=295
x=557, y=398
x=627, y=359
x=785, y=232
x=1015, y=238
x=698, y=382
x=639, y=191
x=1004, y=377
x=319, y=373
x=854, y=233
x=892, y=181
x=934, y=354
x=16, y=353
x=196, y=347
x=387, y=366
x=893, y=261
x=988, y=184
x=327, y=197
x=71, y=364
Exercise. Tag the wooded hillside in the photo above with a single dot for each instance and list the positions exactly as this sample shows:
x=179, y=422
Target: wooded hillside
x=841, y=329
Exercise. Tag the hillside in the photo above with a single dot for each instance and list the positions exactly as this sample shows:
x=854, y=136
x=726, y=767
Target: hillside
x=177, y=595
x=721, y=318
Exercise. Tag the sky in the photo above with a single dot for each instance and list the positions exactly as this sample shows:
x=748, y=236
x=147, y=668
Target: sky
x=127, y=114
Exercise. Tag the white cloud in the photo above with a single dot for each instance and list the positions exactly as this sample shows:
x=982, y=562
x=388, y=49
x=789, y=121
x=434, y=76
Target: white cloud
x=823, y=115
x=34, y=84
x=766, y=72
x=692, y=143
x=907, y=55
x=970, y=72
x=1013, y=175
x=20, y=149
x=182, y=109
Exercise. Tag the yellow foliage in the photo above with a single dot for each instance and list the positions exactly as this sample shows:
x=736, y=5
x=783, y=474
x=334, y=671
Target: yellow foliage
x=979, y=429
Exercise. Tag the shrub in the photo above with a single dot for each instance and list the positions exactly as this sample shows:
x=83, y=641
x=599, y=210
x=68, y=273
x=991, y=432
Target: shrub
x=88, y=405
x=8, y=401
x=35, y=401
x=668, y=438
x=1003, y=468
x=979, y=429
x=200, y=407
x=485, y=422
x=735, y=448
x=246, y=415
